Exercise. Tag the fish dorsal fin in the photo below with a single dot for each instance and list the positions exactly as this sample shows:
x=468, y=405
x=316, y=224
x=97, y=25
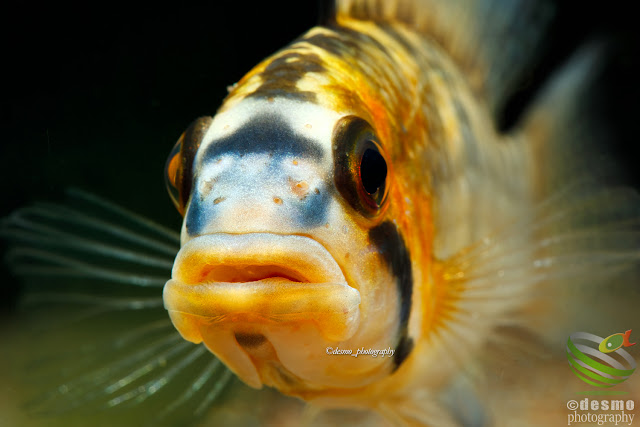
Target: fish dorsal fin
x=493, y=42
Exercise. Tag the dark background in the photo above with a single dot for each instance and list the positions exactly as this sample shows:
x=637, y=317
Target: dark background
x=97, y=98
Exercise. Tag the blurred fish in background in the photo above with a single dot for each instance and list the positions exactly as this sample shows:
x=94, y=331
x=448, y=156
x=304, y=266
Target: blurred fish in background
x=98, y=106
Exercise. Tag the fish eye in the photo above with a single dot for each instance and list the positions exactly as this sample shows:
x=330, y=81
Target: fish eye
x=171, y=169
x=359, y=165
x=178, y=171
x=373, y=170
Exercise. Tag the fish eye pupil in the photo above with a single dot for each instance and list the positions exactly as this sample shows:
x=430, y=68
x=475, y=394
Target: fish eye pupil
x=373, y=170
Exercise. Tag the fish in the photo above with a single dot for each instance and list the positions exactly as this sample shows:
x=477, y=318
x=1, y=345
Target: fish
x=361, y=234
x=615, y=341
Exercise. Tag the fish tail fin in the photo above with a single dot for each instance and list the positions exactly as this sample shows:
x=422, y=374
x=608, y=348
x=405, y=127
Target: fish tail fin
x=625, y=339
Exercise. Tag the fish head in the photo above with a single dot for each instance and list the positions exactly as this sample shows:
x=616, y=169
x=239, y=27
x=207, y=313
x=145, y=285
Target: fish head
x=286, y=247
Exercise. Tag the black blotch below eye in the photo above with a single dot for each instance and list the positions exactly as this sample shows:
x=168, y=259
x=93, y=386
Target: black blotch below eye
x=373, y=170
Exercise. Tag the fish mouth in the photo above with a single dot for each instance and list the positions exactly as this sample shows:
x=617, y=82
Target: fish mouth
x=235, y=285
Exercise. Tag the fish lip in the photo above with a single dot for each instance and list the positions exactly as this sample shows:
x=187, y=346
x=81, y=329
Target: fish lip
x=297, y=280
x=294, y=257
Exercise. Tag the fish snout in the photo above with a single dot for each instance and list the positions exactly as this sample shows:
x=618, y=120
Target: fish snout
x=227, y=287
x=258, y=193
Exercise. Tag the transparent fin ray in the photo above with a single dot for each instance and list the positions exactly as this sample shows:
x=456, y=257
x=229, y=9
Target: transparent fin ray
x=101, y=263
x=573, y=243
x=32, y=217
x=125, y=213
x=152, y=386
x=51, y=264
x=202, y=379
x=44, y=236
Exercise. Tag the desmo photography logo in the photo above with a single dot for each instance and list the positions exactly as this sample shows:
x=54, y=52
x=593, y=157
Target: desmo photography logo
x=601, y=363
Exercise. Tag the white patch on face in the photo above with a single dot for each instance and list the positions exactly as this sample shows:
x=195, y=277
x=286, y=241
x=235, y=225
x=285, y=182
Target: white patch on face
x=283, y=186
x=309, y=120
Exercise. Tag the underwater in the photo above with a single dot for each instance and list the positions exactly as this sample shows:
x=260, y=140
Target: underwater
x=400, y=219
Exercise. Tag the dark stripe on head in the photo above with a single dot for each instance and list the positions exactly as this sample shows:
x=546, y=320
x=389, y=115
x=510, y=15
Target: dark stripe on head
x=281, y=76
x=266, y=133
x=348, y=44
x=391, y=246
x=401, y=39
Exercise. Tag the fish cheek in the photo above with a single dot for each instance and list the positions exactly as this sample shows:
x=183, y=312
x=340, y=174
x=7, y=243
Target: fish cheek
x=391, y=246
